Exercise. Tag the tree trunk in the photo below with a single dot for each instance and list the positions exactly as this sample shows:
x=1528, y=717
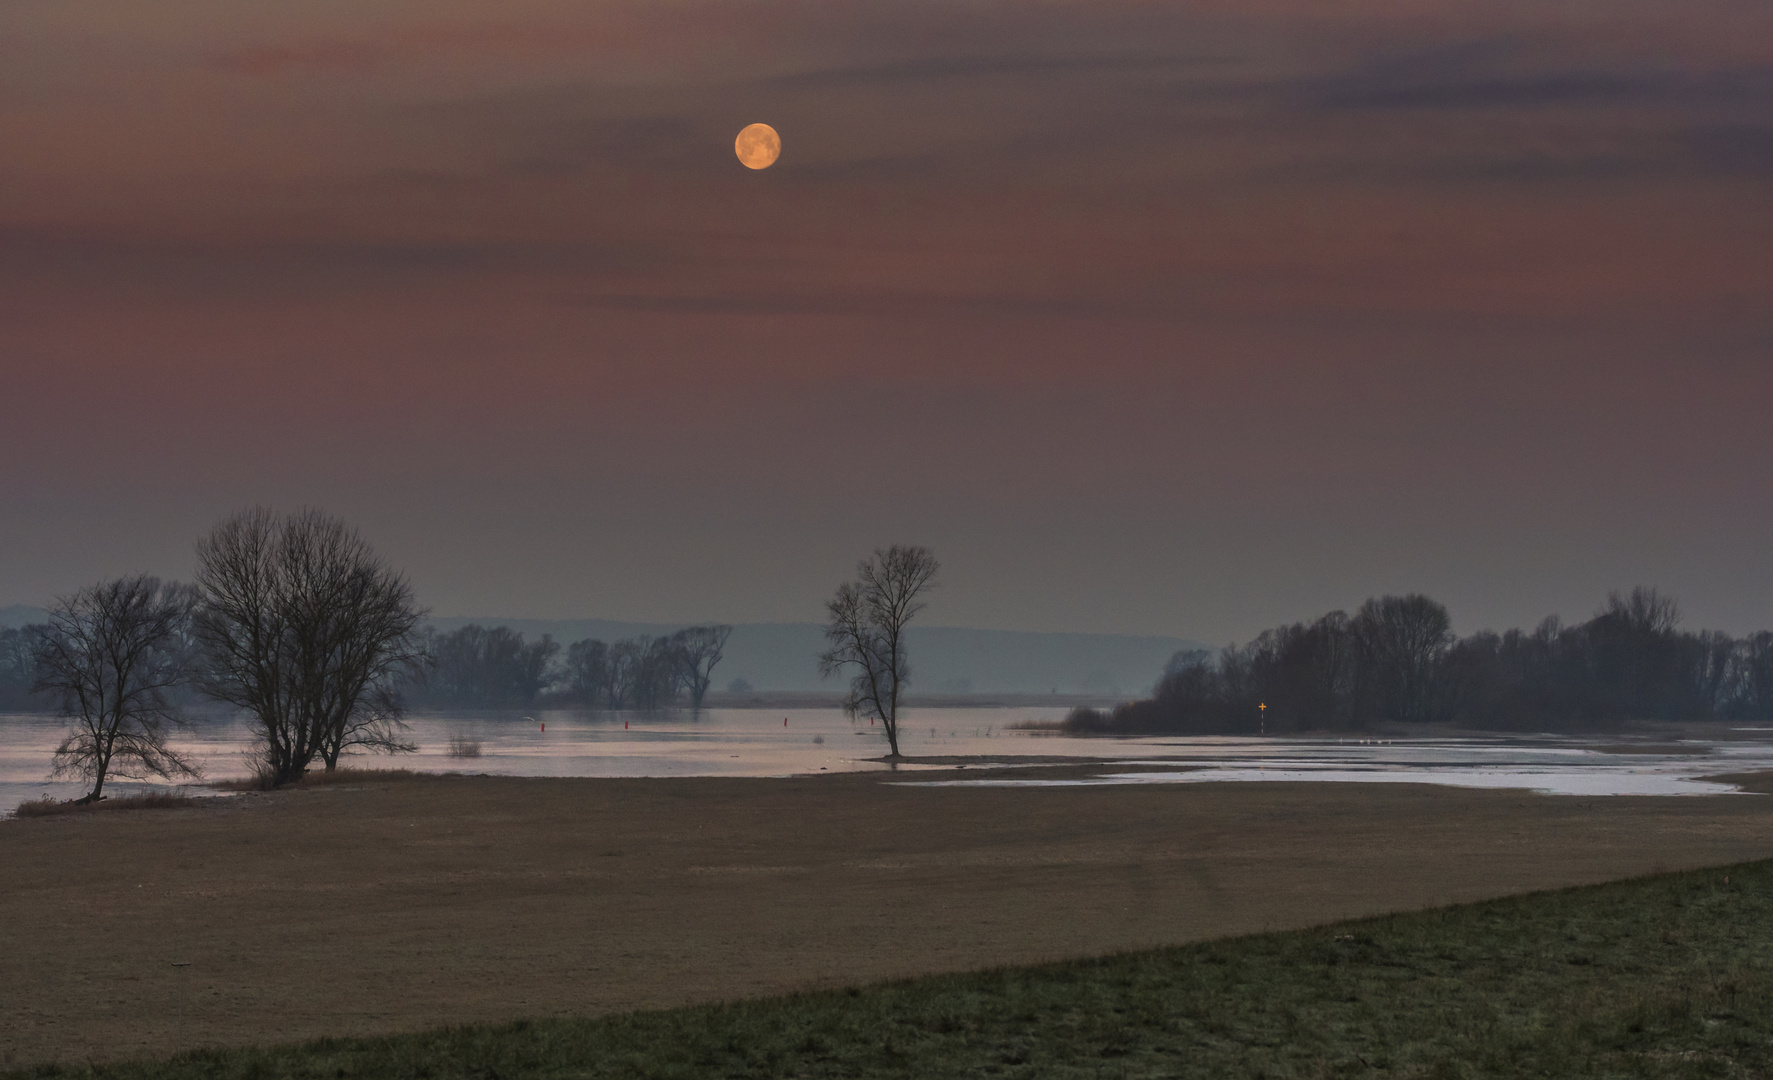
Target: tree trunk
x=288, y=772
x=98, y=786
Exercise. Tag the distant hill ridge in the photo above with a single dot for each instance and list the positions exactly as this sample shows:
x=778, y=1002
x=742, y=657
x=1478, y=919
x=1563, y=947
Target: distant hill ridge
x=944, y=659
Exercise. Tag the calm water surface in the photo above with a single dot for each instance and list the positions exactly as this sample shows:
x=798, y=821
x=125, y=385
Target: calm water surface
x=754, y=742
x=1550, y=765
x=717, y=742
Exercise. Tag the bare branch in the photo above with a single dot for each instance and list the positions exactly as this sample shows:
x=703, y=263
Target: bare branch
x=309, y=631
x=865, y=625
x=112, y=654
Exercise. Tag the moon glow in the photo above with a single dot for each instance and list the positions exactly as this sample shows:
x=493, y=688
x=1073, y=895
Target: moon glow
x=758, y=146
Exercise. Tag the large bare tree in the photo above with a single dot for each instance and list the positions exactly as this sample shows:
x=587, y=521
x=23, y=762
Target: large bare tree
x=587, y=670
x=626, y=659
x=112, y=653
x=309, y=631
x=1402, y=644
x=699, y=649
x=655, y=673
x=865, y=625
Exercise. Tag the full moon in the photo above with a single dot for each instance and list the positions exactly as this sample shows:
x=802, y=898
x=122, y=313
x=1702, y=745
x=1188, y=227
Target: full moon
x=758, y=146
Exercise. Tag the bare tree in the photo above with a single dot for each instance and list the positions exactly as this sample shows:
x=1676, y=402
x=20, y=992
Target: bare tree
x=1644, y=611
x=866, y=629
x=699, y=649
x=18, y=667
x=366, y=640
x=535, y=671
x=626, y=658
x=1401, y=643
x=305, y=628
x=656, y=673
x=111, y=653
x=587, y=670
x=1633, y=649
x=1754, y=693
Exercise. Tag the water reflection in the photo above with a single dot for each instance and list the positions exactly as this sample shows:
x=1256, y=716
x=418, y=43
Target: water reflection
x=716, y=742
x=1547, y=765
x=753, y=742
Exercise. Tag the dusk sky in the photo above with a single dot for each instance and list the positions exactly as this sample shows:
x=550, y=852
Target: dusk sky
x=1147, y=317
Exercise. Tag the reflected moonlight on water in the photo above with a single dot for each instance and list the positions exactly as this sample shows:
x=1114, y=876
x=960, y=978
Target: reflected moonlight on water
x=758, y=146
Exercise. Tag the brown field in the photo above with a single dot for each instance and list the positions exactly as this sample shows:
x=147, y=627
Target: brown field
x=393, y=904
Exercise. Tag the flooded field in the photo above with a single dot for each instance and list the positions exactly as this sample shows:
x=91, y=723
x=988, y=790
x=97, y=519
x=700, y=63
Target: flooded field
x=716, y=742
x=1540, y=765
x=755, y=742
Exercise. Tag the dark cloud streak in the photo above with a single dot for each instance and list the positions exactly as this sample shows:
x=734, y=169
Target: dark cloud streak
x=943, y=68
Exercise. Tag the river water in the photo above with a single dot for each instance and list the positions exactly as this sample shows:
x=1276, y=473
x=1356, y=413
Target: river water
x=716, y=742
x=757, y=742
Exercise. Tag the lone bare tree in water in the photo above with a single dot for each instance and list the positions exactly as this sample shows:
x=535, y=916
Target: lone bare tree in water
x=699, y=649
x=308, y=630
x=114, y=653
x=866, y=628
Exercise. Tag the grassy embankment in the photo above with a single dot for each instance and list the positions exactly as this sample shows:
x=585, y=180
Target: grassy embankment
x=152, y=800
x=322, y=778
x=174, y=800
x=1664, y=976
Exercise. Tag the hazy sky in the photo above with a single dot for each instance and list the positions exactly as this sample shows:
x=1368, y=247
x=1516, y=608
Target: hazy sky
x=1148, y=317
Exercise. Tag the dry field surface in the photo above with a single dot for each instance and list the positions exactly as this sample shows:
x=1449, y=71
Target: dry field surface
x=391, y=905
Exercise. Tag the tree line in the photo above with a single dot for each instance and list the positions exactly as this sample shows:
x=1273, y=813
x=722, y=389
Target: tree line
x=297, y=623
x=481, y=667
x=18, y=670
x=484, y=667
x=293, y=620
x=1396, y=660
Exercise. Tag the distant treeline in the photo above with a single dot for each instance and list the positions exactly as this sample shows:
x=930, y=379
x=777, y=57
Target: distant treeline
x=18, y=667
x=1396, y=660
x=481, y=667
x=491, y=668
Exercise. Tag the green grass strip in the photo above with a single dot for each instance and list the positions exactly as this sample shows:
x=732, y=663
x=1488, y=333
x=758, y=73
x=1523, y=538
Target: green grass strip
x=1670, y=976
